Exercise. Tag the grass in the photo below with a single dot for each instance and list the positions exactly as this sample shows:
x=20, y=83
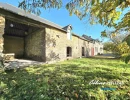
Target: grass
x=68, y=80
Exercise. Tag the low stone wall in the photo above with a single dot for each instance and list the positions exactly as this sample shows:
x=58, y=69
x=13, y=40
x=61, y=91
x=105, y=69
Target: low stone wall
x=8, y=57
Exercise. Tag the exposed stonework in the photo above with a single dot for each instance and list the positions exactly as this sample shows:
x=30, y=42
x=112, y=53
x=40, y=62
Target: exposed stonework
x=98, y=48
x=91, y=46
x=46, y=44
x=35, y=45
x=2, y=26
x=14, y=45
x=8, y=57
x=57, y=42
x=82, y=43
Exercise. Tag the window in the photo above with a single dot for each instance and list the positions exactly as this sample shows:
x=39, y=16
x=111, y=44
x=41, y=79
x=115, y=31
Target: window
x=83, y=51
x=69, y=51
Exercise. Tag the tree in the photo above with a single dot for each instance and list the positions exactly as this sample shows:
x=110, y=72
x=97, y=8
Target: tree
x=33, y=6
x=108, y=46
x=105, y=12
x=118, y=45
x=115, y=37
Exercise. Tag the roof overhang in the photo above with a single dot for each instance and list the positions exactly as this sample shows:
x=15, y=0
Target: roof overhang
x=18, y=15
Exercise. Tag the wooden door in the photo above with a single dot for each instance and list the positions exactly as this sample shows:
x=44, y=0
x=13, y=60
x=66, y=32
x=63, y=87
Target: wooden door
x=92, y=51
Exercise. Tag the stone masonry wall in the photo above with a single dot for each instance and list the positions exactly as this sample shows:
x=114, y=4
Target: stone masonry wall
x=83, y=43
x=2, y=26
x=91, y=45
x=35, y=45
x=14, y=45
x=98, y=45
x=57, y=42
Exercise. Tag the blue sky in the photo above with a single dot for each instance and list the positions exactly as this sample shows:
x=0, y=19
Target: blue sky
x=62, y=18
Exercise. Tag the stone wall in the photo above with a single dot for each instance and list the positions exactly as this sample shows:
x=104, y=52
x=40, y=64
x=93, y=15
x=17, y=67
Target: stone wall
x=83, y=43
x=98, y=45
x=96, y=48
x=14, y=45
x=91, y=45
x=57, y=43
x=2, y=26
x=35, y=45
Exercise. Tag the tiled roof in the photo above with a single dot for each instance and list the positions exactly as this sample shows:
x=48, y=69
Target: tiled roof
x=80, y=37
x=21, y=12
x=90, y=38
x=87, y=37
x=66, y=27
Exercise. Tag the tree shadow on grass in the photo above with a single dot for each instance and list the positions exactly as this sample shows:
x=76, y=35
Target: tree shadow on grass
x=22, y=85
x=52, y=82
x=105, y=58
x=104, y=62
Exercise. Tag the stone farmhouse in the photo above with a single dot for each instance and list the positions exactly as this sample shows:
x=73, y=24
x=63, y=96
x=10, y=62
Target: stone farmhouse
x=28, y=36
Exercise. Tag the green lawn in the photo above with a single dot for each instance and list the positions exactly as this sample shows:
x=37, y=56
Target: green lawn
x=68, y=80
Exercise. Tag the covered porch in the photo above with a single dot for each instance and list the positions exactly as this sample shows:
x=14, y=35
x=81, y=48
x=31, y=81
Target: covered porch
x=22, y=34
x=21, y=38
